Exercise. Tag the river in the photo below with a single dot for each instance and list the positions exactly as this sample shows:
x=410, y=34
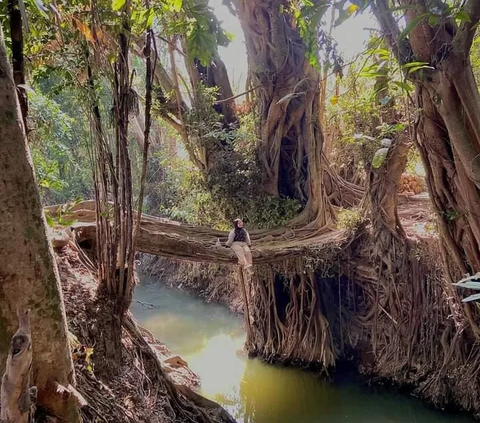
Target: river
x=208, y=337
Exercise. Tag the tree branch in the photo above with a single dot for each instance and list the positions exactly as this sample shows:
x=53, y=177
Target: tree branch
x=236, y=96
x=400, y=48
x=466, y=33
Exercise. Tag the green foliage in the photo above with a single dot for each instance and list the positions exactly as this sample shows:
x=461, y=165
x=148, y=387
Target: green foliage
x=470, y=282
x=349, y=218
x=231, y=187
x=375, y=93
x=118, y=4
x=451, y=215
x=63, y=39
x=353, y=120
x=166, y=186
x=435, y=14
x=379, y=157
x=63, y=215
x=308, y=16
x=381, y=65
x=416, y=66
x=195, y=20
x=58, y=150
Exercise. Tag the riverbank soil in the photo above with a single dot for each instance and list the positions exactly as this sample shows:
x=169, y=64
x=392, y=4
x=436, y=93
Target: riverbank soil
x=397, y=315
x=139, y=390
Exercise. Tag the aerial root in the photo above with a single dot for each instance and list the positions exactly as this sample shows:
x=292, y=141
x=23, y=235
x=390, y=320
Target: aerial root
x=289, y=324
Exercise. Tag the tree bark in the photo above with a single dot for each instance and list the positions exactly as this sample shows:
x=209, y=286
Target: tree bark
x=16, y=392
x=18, y=58
x=28, y=273
x=288, y=104
x=448, y=125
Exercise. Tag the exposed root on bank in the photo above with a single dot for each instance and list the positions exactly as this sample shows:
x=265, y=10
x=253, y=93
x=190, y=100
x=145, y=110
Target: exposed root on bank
x=139, y=389
x=417, y=329
x=413, y=323
x=181, y=407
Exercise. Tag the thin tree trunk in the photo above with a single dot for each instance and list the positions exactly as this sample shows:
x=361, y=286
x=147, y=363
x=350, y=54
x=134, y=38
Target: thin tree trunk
x=150, y=72
x=18, y=58
x=28, y=273
x=323, y=89
x=116, y=240
x=178, y=95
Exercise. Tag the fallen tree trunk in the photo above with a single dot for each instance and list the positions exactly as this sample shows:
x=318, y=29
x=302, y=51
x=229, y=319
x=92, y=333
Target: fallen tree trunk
x=194, y=243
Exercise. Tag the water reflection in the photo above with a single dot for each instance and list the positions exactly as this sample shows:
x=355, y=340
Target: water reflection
x=209, y=338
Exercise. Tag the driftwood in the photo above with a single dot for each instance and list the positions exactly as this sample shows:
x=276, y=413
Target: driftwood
x=17, y=396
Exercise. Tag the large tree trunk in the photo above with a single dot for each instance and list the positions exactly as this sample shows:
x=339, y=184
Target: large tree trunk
x=288, y=104
x=448, y=127
x=28, y=274
x=454, y=195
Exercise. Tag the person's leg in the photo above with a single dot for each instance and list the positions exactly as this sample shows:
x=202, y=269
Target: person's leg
x=248, y=256
x=238, y=250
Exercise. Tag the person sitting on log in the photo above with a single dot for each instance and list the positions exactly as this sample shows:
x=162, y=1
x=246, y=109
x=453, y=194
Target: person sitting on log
x=239, y=241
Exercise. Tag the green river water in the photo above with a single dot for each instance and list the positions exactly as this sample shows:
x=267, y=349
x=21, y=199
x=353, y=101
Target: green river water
x=208, y=337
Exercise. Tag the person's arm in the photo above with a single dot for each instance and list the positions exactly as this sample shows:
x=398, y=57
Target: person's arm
x=249, y=243
x=231, y=237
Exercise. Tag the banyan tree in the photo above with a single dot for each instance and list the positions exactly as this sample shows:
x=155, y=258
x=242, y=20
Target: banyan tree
x=320, y=294
x=379, y=291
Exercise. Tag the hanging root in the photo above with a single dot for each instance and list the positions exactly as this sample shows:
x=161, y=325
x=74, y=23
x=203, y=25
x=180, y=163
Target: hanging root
x=288, y=316
x=417, y=328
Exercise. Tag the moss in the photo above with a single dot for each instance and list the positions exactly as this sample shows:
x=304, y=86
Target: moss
x=29, y=233
x=5, y=336
x=3, y=328
x=349, y=218
x=52, y=302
